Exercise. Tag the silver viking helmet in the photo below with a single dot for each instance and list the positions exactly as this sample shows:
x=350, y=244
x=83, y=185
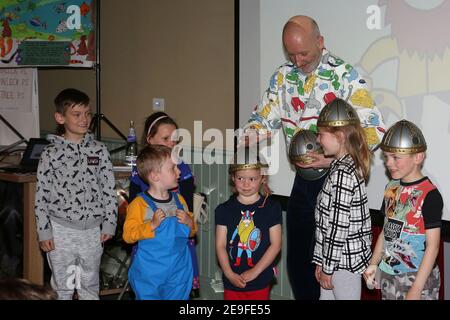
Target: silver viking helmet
x=247, y=157
x=337, y=113
x=302, y=142
x=403, y=137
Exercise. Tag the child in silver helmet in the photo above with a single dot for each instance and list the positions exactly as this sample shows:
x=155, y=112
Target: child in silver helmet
x=248, y=231
x=407, y=247
x=343, y=226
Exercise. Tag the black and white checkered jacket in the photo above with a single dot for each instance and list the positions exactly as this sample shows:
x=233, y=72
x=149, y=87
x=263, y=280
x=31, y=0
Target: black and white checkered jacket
x=343, y=225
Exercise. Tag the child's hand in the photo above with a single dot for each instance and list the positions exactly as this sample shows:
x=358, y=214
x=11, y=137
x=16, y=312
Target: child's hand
x=47, y=245
x=104, y=237
x=184, y=218
x=318, y=272
x=326, y=281
x=157, y=218
x=249, y=275
x=369, y=276
x=413, y=294
x=236, y=280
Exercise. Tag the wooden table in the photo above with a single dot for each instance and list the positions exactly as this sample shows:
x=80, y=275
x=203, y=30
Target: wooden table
x=33, y=262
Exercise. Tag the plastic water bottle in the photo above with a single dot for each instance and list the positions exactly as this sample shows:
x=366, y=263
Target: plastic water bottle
x=132, y=147
x=75, y=294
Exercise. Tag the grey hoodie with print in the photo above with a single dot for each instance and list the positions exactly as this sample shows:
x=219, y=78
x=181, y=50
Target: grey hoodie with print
x=75, y=187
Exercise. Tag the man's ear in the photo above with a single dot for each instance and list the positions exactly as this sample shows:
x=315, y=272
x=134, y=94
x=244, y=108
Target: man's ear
x=321, y=42
x=59, y=118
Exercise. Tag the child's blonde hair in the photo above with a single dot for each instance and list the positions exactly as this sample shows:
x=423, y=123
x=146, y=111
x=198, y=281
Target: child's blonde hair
x=151, y=158
x=340, y=116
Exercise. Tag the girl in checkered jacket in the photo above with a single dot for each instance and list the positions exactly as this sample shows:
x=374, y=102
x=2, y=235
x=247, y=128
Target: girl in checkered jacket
x=343, y=227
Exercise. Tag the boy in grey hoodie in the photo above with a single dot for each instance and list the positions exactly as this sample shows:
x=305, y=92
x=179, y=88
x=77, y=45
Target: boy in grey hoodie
x=76, y=206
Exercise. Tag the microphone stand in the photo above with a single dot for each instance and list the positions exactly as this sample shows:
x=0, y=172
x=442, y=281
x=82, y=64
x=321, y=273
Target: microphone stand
x=17, y=133
x=99, y=116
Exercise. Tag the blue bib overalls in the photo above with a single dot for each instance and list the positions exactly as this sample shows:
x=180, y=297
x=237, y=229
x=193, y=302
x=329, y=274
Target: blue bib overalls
x=161, y=267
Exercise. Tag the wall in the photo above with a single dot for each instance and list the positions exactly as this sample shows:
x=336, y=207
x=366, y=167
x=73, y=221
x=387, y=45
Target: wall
x=180, y=50
x=249, y=58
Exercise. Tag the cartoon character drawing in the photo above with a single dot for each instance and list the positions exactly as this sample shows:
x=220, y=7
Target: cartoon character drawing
x=416, y=71
x=249, y=237
x=82, y=46
x=312, y=102
x=390, y=200
x=403, y=207
x=6, y=41
x=36, y=22
x=403, y=252
x=84, y=9
x=62, y=26
x=422, y=65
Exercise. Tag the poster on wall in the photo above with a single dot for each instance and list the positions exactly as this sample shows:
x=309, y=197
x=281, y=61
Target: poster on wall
x=47, y=33
x=19, y=104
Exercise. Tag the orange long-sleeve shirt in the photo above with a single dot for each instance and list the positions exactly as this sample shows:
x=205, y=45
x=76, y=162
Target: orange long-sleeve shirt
x=137, y=224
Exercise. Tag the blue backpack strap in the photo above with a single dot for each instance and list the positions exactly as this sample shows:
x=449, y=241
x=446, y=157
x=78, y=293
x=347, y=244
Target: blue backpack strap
x=149, y=201
x=177, y=200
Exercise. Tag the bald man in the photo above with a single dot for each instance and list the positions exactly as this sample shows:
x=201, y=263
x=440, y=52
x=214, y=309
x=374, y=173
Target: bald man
x=297, y=92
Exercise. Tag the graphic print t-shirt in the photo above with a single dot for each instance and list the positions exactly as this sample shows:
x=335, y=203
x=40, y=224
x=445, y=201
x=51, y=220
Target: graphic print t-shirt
x=410, y=209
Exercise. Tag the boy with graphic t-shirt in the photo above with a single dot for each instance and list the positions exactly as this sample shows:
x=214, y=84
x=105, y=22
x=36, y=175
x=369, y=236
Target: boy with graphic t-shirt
x=407, y=247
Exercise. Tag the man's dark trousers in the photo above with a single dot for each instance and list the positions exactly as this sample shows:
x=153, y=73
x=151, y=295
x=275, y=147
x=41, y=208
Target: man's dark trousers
x=300, y=225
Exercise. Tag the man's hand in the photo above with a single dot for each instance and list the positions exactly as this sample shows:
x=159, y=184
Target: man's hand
x=47, y=245
x=253, y=136
x=319, y=161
